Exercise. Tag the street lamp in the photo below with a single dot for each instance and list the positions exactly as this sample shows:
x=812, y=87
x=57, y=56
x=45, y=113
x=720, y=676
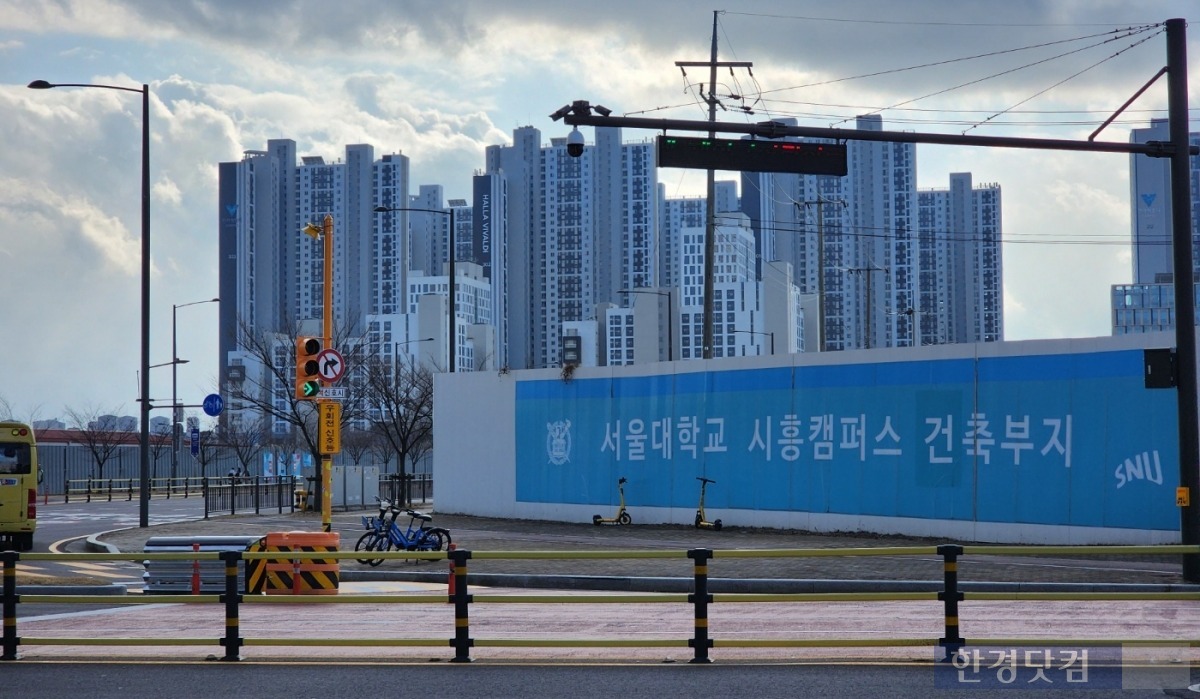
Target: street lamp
x=670, y=316
x=176, y=412
x=764, y=334
x=144, y=433
x=451, y=254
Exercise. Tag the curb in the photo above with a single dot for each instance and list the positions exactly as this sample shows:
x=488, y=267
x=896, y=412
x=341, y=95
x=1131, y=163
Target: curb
x=94, y=545
x=113, y=589
x=772, y=586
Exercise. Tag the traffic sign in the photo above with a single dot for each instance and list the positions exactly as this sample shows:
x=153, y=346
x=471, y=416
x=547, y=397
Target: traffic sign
x=331, y=392
x=330, y=426
x=195, y=435
x=330, y=364
x=213, y=405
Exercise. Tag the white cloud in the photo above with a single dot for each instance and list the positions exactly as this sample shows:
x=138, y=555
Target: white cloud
x=440, y=82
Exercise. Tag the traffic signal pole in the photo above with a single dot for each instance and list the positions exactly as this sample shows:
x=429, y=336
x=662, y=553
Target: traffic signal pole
x=1185, y=299
x=327, y=334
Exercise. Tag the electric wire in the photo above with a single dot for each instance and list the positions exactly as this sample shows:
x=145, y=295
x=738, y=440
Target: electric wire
x=758, y=99
x=1007, y=72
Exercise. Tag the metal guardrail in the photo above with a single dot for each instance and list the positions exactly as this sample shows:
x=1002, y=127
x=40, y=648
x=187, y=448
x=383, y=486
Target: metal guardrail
x=409, y=488
x=229, y=496
x=108, y=489
x=700, y=599
x=222, y=495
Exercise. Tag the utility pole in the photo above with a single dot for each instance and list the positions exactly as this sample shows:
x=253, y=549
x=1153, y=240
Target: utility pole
x=867, y=306
x=819, y=202
x=710, y=228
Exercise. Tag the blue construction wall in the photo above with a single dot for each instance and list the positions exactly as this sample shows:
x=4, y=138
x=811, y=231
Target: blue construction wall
x=1055, y=440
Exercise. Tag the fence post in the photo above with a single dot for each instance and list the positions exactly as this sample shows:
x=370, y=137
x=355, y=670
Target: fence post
x=204, y=492
x=700, y=599
x=462, y=599
x=950, y=596
x=10, y=604
x=232, y=598
x=257, y=493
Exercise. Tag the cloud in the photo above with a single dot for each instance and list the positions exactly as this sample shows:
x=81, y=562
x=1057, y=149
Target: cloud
x=442, y=81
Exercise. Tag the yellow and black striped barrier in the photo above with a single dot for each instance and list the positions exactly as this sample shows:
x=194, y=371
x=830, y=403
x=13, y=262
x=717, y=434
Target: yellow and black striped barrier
x=304, y=551
x=296, y=575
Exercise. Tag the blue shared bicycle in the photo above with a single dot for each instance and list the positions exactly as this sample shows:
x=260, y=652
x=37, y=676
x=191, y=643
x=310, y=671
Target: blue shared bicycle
x=385, y=534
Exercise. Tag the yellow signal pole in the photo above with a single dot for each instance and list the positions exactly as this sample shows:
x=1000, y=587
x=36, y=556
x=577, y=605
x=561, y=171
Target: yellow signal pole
x=327, y=333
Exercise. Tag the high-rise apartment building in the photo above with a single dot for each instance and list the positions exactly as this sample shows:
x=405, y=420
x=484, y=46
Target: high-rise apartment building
x=894, y=266
x=1148, y=304
x=560, y=243
x=272, y=278
x=579, y=231
x=960, y=291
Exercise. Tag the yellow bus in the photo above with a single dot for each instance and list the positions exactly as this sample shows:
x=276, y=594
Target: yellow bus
x=18, y=485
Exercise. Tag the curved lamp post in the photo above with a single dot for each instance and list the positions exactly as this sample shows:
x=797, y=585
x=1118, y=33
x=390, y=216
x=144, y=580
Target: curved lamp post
x=144, y=399
x=764, y=334
x=176, y=412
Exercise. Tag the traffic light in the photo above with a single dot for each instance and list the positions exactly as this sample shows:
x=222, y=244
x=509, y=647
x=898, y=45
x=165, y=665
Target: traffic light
x=308, y=383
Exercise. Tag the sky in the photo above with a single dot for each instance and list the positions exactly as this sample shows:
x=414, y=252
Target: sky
x=439, y=82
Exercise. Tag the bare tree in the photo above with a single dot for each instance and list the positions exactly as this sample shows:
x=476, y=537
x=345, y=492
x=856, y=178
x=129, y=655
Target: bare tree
x=400, y=394
x=160, y=443
x=100, y=436
x=357, y=443
x=208, y=451
x=381, y=449
x=244, y=439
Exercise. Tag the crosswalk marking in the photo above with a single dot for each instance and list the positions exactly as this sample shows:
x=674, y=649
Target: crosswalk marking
x=108, y=571
x=118, y=521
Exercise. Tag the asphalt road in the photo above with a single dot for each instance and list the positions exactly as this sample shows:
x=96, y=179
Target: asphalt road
x=61, y=526
x=530, y=681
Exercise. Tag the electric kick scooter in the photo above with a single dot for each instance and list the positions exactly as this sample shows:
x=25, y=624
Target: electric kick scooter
x=702, y=523
x=622, y=517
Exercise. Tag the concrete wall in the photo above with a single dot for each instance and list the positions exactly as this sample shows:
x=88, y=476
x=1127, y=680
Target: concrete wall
x=1026, y=442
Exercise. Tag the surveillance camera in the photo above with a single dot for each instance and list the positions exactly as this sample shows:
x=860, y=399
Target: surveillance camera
x=575, y=143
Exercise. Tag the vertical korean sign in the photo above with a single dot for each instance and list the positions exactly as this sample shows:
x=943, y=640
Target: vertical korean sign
x=330, y=414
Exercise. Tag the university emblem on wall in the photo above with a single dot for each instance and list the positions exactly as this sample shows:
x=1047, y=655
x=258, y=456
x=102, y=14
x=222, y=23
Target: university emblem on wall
x=558, y=442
